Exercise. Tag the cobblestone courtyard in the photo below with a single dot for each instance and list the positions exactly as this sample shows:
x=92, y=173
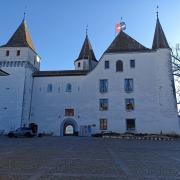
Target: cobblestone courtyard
x=78, y=158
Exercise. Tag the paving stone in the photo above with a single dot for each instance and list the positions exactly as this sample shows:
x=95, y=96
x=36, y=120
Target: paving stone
x=72, y=158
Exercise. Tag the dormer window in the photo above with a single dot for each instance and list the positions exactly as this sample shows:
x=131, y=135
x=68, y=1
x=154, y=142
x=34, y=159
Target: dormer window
x=18, y=52
x=7, y=53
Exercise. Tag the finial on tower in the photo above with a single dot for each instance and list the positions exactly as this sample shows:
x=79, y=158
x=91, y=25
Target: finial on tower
x=157, y=12
x=86, y=29
x=121, y=19
x=25, y=10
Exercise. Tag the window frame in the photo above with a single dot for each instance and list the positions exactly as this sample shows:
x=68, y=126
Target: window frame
x=103, y=124
x=131, y=126
x=106, y=64
x=119, y=66
x=128, y=101
x=129, y=87
x=69, y=112
x=103, y=104
x=103, y=85
x=132, y=63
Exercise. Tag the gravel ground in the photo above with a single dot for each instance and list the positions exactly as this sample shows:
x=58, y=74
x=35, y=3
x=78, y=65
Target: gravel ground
x=76, y=158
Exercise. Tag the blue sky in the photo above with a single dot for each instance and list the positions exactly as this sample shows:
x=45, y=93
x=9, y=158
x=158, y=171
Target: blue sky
x=57, y=27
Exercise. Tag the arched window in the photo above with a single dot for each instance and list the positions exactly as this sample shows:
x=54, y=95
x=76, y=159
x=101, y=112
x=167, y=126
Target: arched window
x=119, y=66
x=68, y=87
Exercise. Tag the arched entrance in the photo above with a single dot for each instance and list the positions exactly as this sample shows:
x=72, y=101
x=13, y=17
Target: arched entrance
x=69, y=127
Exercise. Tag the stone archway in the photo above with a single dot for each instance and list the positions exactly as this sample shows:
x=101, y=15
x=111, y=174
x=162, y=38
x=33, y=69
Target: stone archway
x=69, y=122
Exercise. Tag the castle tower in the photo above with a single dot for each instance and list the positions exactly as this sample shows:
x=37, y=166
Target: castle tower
x=19, y=59
x=164, y=78
x=86, y=60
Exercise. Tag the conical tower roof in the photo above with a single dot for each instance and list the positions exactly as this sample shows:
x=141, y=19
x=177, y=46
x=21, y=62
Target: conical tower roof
x=159, y=37
x=21, y=38
x=86, y=51
x=125, y=43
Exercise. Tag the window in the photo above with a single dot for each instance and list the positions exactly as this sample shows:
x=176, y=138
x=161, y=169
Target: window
x=103, y=124
x=132, y=63
x=128, y=85
x=130, y=124
x=18, y=52
x=49, y=88
x=68, y=87
x=7, y=53
x=103, y=104
x=119, y=66
x=129, y=104
x=106, y=64
x=69, y=112
x=103, y=85
x=79, y=64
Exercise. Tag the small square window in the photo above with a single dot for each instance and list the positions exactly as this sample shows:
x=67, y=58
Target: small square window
x=7, y=53
x=129, y=104
x=130, y=124
x=103, y=104
x=103, y=124
x=106, y=64
x=69, y=112
x=132, y=63
x=18, y=52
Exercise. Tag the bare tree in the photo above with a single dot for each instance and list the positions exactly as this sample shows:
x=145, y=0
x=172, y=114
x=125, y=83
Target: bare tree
x=176, y=72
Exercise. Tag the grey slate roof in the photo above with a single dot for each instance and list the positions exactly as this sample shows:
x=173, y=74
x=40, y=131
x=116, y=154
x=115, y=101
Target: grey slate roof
x=60, y=73
x=125, y=43
x=21, y=38
x=159, y=40
x=86, y=51
x=3, y=73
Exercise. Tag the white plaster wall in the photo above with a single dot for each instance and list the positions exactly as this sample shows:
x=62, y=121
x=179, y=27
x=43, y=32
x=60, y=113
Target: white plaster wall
x=84, y=64
x=11, y=97
x=155, y=109
x=15, y=89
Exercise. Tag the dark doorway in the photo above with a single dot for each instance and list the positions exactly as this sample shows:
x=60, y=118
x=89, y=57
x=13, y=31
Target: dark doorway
x=69, y=127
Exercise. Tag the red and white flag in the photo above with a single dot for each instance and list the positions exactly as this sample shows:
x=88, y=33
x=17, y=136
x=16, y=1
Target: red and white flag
x=118, y=28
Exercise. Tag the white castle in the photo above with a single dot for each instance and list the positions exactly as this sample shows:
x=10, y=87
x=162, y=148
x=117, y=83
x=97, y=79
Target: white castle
x=130, y=88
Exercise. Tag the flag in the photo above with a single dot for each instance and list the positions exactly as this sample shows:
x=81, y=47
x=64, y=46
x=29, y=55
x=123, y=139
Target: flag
x=118, y=27
x=123, y=25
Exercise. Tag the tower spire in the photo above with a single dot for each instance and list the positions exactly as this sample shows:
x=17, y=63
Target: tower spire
x=159, y=40
x=20, y=38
